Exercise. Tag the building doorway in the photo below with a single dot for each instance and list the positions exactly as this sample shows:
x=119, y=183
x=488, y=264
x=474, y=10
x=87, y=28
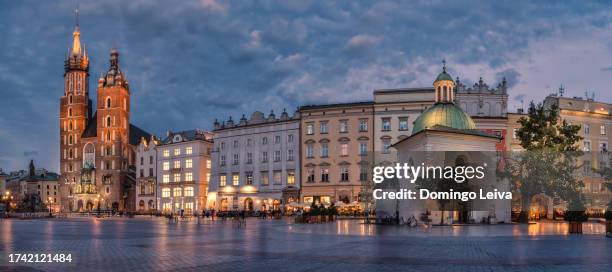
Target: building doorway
x=248, y=204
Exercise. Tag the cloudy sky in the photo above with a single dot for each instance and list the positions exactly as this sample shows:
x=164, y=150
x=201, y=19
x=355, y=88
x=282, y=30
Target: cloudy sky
x=189, y=62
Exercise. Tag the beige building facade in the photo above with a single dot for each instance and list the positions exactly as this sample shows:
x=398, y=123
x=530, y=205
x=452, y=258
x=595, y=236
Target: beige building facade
x=337, y=143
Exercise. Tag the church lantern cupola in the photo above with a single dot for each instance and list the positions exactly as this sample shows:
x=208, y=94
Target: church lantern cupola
x=114, y=76
x=444, y=87
x=77, y=58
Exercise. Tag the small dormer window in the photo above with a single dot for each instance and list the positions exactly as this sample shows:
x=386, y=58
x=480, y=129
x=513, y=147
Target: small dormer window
x=177, y=138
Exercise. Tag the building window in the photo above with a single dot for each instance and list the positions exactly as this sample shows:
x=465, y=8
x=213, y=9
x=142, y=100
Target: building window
x=277, y=177
x=514, y=135
x=264, y=140
x=363, y=149
x=177, y=165
x=290, y=177
x=277, y=139
x=363, y=173
x=602, y=129
x=166, y=166
x=166, y=192
x=108, y=121
x=249, y=159
x=150, y=172
x=343, y=126
x=236, y=159
x=236, y=144
x=323, y=127
x=277, y=156
x=290, y=138
x=208, y=164
x=222, y=145
x=141, y=173
x=249, y=142
x=249, y=178
x=265, y=180
x=165, y=178
x=310, y=128
x=222, y=180
x=386, y=145
x=264, y=156
x=603, y=147
x=363, y=125
x=177, y=151
x=324, y=150
x=386, y=124
x=309, y=151
x=344, y=174
x=189, y=176
x=177, y=177
x=344, y=149
x=189, y=150
x=290, y=155
x=587, y=129
x=188, y=163
x=108, y=102
x=325, y=175
x=587, y=146
x=586, y=168
x=166, y=153
x=403, y=123
x=310, y=175
x=235, y=179
x=176, y=192
x=188, y=191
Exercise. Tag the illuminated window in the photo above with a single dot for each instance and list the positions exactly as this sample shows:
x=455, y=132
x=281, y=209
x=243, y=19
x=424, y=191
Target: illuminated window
x=208, y=164
x=249, y=178
x=177, y=151
x=166, y=153
x=235, y=179
x=189, y=150
x=166, y=178
x=188, y=176
x=222, y=180
x=602, y=129
x=188, y=191
x=207, y=177
x=177, y=164
x=176, y=192
x=344, y=149
x=166, y=166
x=188, y=163
x=177, y=177
x=166, y=192
x=290, y=177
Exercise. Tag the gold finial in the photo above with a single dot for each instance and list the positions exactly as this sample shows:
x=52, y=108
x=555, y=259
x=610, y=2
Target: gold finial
x=76, y=35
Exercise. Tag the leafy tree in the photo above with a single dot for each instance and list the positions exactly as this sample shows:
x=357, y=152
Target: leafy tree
x=549, y=163
x=606, y=173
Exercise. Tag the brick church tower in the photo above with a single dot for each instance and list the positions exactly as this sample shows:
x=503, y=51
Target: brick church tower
x=75, y=113
x=97, y=152
x=113, y=133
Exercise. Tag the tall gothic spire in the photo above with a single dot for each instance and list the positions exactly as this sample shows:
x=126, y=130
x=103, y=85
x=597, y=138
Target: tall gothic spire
x=76, y=35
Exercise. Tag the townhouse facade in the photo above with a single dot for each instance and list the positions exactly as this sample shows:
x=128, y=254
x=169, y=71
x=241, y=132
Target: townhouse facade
x=337, y=143
x=183, y=171
x=256, y=163
x=146, y=175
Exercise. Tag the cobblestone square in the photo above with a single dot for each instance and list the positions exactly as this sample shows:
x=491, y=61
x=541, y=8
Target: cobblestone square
x=153, y=244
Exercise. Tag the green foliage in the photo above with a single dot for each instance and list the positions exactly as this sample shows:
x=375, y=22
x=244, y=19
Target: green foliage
x=576, y=210
x=314, y=209
x=543, y=130
x=551, y=160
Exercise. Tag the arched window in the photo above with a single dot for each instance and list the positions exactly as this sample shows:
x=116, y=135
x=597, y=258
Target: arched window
x=70, y=126
x=70, y=99
x=69, y=112
x=108, y=121
x=70, y=139
x=108, y=102
x=445, y=95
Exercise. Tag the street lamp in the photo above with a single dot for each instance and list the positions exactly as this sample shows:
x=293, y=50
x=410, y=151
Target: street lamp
x=49, y=204
x=98, y=200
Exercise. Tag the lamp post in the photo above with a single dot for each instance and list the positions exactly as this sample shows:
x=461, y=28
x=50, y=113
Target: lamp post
x=49, y=204
x=98, y=200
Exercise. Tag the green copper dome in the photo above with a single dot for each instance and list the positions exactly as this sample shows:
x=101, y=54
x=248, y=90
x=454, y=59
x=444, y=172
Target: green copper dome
x=443, y=114
x=443, y=76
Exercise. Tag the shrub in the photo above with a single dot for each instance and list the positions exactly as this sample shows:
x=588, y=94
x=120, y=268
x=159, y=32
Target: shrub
x=575, y=216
